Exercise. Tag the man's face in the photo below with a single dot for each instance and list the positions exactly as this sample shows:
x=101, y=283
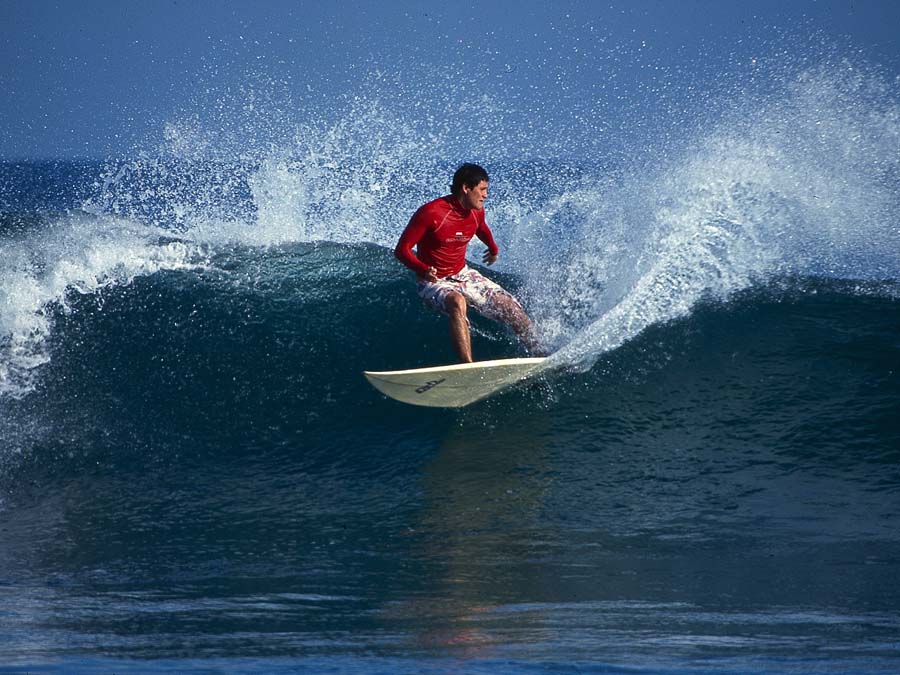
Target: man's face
x=473, y=198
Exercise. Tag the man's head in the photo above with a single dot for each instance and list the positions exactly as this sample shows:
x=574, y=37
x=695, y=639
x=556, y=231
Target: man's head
x=470, y=184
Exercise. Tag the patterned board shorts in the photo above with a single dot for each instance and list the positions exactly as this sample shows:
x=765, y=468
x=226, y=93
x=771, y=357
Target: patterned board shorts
x=480, y=293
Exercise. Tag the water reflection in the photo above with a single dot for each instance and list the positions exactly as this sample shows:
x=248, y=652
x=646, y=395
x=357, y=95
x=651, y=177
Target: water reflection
x=483, y=496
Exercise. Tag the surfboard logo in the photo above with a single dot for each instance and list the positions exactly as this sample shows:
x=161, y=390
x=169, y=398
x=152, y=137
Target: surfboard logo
x=431, y=384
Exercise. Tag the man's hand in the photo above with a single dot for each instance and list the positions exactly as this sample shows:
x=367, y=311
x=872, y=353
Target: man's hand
x=489, y=258
x=431, y=275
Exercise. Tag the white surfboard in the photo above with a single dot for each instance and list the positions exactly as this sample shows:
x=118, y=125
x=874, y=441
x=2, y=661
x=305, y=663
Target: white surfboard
x=452, y=386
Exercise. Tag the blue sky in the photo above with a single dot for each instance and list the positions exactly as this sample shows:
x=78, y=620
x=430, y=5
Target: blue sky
x=98, y=79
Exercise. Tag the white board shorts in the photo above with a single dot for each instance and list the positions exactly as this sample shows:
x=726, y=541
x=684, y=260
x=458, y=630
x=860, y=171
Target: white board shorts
x=480, y=293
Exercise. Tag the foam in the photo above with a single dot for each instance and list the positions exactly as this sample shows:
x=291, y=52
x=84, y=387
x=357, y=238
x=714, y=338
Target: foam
x=78, y=253
x=801, y=183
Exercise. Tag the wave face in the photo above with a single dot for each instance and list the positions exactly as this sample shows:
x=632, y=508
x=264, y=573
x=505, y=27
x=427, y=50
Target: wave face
x=182, y=335
x=293, y=325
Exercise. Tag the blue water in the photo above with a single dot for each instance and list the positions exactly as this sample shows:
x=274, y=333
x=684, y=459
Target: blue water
x=194, y=476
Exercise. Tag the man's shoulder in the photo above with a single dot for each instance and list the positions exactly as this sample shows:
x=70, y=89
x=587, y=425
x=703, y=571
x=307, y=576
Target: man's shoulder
x=439, y=205
x=436, y=208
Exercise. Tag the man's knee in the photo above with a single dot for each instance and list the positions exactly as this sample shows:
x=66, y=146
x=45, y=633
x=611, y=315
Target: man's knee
x=508, y=308
x=455, y=304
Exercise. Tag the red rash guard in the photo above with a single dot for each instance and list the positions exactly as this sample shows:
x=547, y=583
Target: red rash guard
x=441, y=231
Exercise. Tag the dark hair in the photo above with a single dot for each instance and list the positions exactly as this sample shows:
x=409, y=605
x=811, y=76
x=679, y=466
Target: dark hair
x=469, y=175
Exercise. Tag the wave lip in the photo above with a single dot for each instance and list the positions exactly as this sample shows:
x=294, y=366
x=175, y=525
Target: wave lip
x=75, y=253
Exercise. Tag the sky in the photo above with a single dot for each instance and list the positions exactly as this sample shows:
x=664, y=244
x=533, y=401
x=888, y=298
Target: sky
x=91, y=79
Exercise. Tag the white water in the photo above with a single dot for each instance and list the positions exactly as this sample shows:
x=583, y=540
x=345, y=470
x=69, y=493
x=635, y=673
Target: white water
x=79, y=253
x=804, y=184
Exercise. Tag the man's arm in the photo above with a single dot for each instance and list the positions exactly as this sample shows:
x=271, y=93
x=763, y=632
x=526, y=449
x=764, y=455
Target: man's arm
x=484, y=233
x=414, y=231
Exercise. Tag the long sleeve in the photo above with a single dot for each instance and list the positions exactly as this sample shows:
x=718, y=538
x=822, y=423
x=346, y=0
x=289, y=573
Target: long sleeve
x=484, y=233
x=414, y=231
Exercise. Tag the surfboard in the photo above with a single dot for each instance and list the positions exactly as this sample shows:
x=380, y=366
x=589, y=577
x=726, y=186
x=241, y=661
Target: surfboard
x=452, y=386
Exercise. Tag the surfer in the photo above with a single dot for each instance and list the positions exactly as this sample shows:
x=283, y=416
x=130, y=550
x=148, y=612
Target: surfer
x=440, y=231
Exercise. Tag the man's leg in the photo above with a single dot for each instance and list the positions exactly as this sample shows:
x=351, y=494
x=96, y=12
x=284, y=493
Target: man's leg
x=455, y=306
x=510, y=312
x=493, y=301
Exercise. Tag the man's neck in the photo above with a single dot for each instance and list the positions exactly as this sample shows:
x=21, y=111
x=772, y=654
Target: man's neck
x=457, y=204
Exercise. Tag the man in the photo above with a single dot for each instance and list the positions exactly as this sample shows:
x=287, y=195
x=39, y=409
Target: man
x=440, y=231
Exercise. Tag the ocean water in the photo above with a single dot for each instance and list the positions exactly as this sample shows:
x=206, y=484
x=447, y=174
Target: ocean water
x=194, y=476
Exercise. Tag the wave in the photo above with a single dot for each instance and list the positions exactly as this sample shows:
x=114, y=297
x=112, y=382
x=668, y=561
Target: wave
x=799, y=182
x=56, y=260
x=260, y=351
